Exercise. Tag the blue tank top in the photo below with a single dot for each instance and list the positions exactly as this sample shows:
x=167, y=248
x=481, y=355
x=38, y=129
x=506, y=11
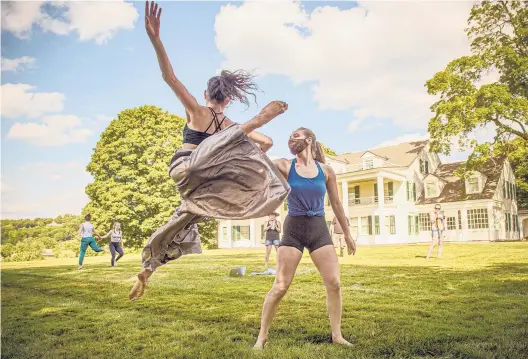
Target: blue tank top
x=306, y=197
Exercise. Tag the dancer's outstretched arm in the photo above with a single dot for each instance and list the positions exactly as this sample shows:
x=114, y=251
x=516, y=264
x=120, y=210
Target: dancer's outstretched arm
x=152, y=26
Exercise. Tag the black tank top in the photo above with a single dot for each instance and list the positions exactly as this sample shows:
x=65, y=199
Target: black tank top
x=196, y=137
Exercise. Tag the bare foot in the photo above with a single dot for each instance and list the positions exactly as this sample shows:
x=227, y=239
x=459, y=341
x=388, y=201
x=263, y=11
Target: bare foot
x=139, y=287
x=340, y=341
x=80, y=266
x=273, y=109
x=259, y=345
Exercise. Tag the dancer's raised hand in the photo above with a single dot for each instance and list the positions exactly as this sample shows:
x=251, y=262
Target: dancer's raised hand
x=152, y=19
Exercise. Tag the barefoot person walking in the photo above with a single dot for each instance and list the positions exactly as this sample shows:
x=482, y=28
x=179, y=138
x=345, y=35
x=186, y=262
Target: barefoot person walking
x=212, y=167
x=305, y=227
x=87, y=233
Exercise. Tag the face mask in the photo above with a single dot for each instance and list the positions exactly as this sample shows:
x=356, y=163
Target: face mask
x=297, y=146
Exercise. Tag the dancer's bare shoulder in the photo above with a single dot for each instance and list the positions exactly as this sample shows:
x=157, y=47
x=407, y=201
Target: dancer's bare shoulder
x=283, y=165
x=328, y=172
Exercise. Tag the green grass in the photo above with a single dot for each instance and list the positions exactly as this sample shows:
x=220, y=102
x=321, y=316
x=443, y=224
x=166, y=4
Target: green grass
x=472, y=303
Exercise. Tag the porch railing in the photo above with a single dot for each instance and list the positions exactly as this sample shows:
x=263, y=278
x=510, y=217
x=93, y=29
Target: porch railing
x=368, y=200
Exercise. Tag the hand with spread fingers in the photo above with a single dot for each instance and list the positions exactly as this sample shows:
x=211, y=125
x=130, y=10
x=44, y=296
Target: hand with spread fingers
x=152, y=19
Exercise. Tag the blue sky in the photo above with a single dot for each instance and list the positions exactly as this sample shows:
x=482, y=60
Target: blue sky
x=352, y=72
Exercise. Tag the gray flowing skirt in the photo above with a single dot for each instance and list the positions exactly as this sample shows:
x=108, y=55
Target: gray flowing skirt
x=226, y=177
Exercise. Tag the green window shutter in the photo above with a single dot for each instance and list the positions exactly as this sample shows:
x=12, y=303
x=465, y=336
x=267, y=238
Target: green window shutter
x=370, y=225
x=390, y=186
x=426, y=167
x=408, y=190
x=414, y=192
x=409, y=223
x=416, y=225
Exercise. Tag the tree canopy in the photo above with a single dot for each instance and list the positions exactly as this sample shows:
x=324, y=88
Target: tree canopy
x=131, y=183
x=498, y=31
x=328, y=151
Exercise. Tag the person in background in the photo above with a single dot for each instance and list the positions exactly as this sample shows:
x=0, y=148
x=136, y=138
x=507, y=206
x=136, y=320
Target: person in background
x=437, y=230
x=116, y=243
x=87, y=231
x=338, y=235
x=273, y=230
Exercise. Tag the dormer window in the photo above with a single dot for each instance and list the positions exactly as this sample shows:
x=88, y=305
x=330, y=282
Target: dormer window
x=368, y=164
x=473, y=185
x=431, y=189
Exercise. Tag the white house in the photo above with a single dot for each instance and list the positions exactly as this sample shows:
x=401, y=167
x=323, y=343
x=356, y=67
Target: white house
x=389, y=192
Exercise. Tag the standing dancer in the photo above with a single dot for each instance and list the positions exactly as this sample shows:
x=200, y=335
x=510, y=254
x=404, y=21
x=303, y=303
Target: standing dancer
x=211, y=172
x=272, y=229
x=437, y=230
x=305, y=226
x=87, y=231
x=116, y=243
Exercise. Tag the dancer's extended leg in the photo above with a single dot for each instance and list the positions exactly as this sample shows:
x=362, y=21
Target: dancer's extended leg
x=158, y=251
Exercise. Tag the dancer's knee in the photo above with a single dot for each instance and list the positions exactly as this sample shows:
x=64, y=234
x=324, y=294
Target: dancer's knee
x=333, y=285
x=278, y=290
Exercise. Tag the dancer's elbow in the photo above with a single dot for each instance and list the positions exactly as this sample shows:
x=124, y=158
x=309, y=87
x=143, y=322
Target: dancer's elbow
x=266, y=144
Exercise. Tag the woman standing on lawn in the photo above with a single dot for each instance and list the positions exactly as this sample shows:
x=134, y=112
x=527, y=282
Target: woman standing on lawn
x=272, y=229
x=87, y=231
x=305, y=226
x=211, y=168
x=116, y=243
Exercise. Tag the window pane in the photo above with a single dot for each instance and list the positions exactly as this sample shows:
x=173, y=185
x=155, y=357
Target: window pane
x=431, y=189
x=364, y=225
x=451, y=223
x=477, y=218
x=425, y=222
x=473, y=184
x=354, y=225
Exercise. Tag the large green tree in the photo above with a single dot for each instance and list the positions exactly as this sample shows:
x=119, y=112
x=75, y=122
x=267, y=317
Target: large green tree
x=131, y=183
x=498, y=31
x=328, y=151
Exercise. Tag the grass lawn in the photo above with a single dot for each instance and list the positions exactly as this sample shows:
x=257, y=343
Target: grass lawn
x=472, y=303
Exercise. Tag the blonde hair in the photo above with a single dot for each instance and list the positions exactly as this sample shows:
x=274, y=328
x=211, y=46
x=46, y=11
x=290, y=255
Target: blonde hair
x=317, y=149
x=115, y=226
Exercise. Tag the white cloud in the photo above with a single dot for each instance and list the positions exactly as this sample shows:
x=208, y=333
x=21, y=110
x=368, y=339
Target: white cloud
x=18, y=64
x=410, y=137
x=373, y=58
x=56, y=130
x=56, y=177
x=92, y=20
x=354, y=124
x=21, y=100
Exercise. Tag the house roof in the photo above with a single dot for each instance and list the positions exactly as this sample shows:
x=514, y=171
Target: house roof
x=402, y=154
x=454, y=189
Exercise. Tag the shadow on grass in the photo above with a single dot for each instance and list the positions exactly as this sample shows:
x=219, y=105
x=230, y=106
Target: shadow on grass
x=393, y=311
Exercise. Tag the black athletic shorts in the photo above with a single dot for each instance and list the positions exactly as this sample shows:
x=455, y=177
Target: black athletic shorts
x=304, y=231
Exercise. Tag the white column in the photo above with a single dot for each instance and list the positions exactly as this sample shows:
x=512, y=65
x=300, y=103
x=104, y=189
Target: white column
x=463, y=212
x=491, y=222
x=344, y=194
x=381, y=205
x=252, y=232
x=229, y=240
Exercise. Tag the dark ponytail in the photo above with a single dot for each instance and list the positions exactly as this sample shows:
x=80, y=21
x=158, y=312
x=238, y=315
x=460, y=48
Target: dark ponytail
x=233, y=85
x=317, y=149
